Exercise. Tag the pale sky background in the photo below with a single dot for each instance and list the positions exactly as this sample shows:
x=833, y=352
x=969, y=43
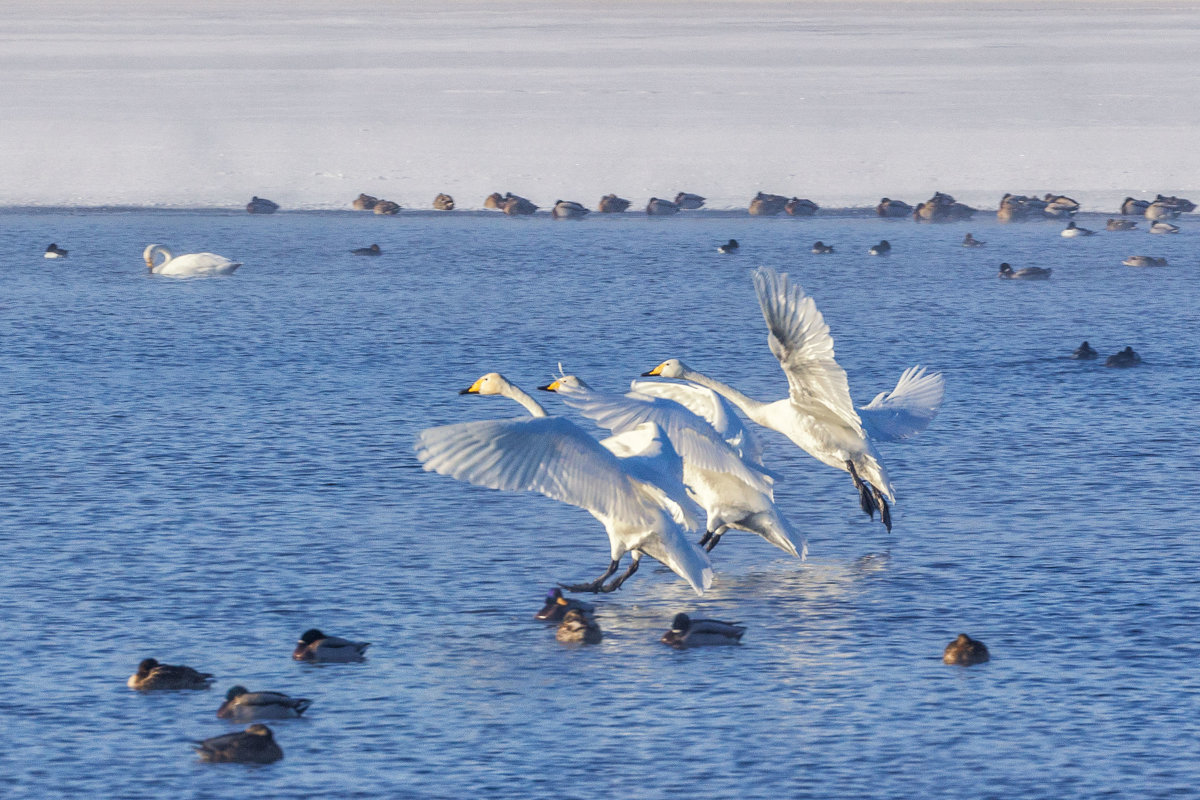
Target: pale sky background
x=309, y=103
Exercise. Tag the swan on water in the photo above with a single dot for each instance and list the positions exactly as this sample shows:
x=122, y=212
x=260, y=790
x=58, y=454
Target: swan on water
x=735, y=492
x=632, y=483
x=189, y=264
x=817, y=415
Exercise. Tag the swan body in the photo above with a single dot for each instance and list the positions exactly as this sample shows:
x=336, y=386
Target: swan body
x=187, y=265
x=244, y=706
x=817, y=415
x=631, y=483
x=965, y=652
x=316, y=646
x=153, y=676
x=687, y=632
x=735, y=492
x=255, y=745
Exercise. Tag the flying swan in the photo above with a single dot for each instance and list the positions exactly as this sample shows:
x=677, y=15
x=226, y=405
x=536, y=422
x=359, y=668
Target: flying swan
x=631, y=483
x=187, y=265
x=734, y=490
x=818, y=415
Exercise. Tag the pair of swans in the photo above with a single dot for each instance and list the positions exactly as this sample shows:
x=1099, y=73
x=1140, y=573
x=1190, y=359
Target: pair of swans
x=188, y=265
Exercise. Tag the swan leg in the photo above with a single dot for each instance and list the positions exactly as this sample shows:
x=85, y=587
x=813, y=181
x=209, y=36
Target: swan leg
x=704, y=539
x=624, y=576
x=716, y=538
x=885, y=516
x=865, y=501
x=596, y=585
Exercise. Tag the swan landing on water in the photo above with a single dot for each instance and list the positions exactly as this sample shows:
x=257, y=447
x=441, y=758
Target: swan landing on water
x=188, y=264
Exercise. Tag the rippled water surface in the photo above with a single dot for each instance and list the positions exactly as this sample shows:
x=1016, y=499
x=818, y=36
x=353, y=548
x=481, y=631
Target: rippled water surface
x=199, y=470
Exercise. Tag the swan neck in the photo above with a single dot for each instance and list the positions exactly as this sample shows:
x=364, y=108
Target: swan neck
x=748, y=405
x=531, y=405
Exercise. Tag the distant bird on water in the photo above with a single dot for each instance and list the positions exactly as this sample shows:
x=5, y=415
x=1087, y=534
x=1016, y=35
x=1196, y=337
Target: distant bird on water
x=1026, y=274
x=687, y=632
x=152, y=676
x=373, y=250
x=965, y=652
x=729, y=247
x=244, y=706
x=54, y=251
x=255, y=745
x=316, y=646
x=1085, y=352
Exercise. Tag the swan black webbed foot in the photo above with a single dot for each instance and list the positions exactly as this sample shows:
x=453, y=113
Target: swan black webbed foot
x=885, y=516
x=624, y=576
x=865, y=501
x=598, y=584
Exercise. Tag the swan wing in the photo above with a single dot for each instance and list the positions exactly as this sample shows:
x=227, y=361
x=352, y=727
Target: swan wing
x=692, y=437
x=907, y=409
x=710, y=406
x=681, y=555
x=198, y=264
x=549, y=455
x=800, y=339
x=647, y=456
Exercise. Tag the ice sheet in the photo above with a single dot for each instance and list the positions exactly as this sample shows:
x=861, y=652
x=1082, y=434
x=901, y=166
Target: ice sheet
x=310, y=103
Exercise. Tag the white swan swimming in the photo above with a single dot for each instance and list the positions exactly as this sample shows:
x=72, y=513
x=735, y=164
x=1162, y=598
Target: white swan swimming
x=818, y=414
x=632, y=483
x=187, y=265
x=735, y=492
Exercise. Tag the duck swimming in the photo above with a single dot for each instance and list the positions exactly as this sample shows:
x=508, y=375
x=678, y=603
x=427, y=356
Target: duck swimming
x=316, y=646
x=1072, y=230
x=557, y=606
x=244, y=706
x=1120, y=225
x=373, y=250
x=1163, y=227
x=971, y=241
x=152, y=676
x=578, y=628
x=1144, y=261
x=1085, y=351
x=1125, y=358
x=687, y=632
x=729, y=247
x=255, y=745
x=54, y=251
x=568, y=209
x=965, y=652
x=819, y=248
x=1028, y=273
x=881, y=249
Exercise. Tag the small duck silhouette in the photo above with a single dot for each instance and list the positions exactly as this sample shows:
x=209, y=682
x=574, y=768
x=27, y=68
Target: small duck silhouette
x=152, y=676
x=373, y=250
x=1144, y=261
x=255, y=745
x=244, y=706
x=557, y=606
x=687, y=632
x=54, y=251
x=1085, y=351
x=1120, y=225
x=820, y=248
x=1163, y=227
x=881, y=249
x=971, y=241
x=1125, y=358
x=1072, y=230
x=261, y=205
x=965, y=652
x=729, y=247
x=316, y=646
x=578, y=628
x=1027, y=274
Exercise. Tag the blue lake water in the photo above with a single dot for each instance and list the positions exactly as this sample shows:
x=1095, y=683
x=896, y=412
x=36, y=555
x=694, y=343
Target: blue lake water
x=199, y=470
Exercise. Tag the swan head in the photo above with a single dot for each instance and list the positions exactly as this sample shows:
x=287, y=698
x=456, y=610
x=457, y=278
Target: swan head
x=565, y=383
x=671, y=368
x=153, y=250
x=491, y=383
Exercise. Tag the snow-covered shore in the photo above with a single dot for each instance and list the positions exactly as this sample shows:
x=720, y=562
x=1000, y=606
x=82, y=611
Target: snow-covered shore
x=310, y=103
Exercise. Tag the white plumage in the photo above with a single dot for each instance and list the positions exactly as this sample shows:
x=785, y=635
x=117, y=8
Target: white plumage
x=188, y=265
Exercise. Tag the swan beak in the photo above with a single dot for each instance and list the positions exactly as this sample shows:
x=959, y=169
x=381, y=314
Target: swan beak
x=473, y=388
x=656, y=371
x=549, y=387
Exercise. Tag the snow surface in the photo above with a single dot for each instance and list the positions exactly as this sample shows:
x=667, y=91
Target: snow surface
x=310, y=102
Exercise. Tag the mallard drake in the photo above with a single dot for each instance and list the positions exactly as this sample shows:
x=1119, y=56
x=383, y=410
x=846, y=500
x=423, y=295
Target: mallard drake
x=255, y=745
x=1125, y=358
x=965, y=651
x=373, y=250
x=1163, y=227
x=153, y=676
x=881, y=249
x=729, y=247
x=687, y=200
x=1085, y=351
x=568, y=209
x=261, y=205
x=578, y=628
x=1120, y=225
x=443, y=202
x=658, y=207
x=820, y=248
x=971, y=241
x=1028, y=273
x=611, y=204
x=557, y=606
x=1144, y=261
x=687, y=632
x=244, y=706
x=1072, y=230
x=893, y=208
x=316, y=646
x=54, y=251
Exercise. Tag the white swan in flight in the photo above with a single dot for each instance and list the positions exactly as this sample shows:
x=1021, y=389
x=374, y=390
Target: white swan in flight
x=187, y=265
x=631, y=483
x=734, y=492
x=818, y=414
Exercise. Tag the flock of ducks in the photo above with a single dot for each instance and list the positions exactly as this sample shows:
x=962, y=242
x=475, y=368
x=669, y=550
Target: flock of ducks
x=256, y=744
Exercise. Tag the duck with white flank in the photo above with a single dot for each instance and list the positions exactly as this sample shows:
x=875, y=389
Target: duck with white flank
x=1025, y=274
x=687, y=632
x=316, y=646
x=152, y=676
x=631, y=483
x=244, y=706
x=1072, y=231
x=255, y=745
x=54, y=251
x=819, y=248
x=1163, y=227
x=881, y=249
x=729, y=248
